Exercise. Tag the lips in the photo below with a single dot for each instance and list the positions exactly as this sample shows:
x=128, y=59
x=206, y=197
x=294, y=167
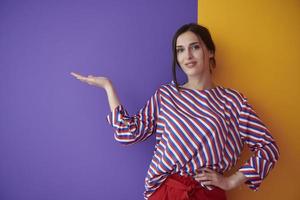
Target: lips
x=190, y=64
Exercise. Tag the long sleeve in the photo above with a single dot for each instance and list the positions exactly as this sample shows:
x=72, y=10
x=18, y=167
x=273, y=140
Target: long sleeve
x=265, y=151
x=132, y=129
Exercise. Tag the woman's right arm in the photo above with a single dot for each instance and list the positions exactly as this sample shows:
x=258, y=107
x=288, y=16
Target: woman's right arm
x=128, y=129
x=104, y=83
x=112, y=96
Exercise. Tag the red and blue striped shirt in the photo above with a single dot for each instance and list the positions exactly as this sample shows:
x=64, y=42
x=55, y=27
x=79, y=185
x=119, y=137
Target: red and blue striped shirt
x=198, y=129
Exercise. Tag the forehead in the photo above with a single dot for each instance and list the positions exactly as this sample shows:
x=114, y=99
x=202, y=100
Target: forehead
x=186, y=38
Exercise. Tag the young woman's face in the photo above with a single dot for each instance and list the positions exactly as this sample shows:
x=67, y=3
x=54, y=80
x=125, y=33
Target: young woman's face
x=192, y=54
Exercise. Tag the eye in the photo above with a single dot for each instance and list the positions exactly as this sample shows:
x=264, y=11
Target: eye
x=195, y=46
x=179, y=50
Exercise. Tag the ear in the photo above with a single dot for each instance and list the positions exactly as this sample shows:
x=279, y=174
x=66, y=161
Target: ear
x=211, y=54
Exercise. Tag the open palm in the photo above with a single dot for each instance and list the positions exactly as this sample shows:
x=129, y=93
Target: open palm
x=98, y=81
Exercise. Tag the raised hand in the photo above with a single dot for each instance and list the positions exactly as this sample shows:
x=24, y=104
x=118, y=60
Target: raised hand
x=104, y=83
x=98, y=81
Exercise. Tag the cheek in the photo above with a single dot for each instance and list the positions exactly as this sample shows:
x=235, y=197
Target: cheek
x=179, y=59
x=199, y=54
x=200, y=57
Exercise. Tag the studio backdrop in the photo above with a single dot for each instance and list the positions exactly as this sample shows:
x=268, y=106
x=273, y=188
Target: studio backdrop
x=55, y=142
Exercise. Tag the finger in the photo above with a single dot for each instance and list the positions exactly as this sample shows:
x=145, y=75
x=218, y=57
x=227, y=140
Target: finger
x=203, y=178
x=208, y=170
x=78, y=76
x=75, y=74
x=85, y=80
x=200, y=175
x=206, y=183
x=205, y=174
x=82, y=79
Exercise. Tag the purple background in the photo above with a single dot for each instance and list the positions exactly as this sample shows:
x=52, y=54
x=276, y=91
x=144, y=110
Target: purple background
x=55, y=142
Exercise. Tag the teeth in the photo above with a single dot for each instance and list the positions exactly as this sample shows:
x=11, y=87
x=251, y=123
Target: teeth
x=191, y=64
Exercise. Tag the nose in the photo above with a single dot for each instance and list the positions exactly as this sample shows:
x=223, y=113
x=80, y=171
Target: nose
x=189, y=54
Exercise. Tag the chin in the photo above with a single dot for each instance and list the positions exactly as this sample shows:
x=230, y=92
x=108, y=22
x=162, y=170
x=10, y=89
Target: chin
x=192, y=72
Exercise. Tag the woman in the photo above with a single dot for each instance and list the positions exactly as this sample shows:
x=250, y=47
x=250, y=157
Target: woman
x=200, y=127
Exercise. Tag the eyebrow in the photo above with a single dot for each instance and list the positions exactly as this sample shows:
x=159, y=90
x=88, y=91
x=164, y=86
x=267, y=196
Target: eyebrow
x=189, y=44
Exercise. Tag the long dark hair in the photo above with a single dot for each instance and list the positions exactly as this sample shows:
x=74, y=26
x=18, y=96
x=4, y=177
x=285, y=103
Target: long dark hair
x=203, y=34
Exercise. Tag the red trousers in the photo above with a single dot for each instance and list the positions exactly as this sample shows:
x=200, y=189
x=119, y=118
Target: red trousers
x=178, y=187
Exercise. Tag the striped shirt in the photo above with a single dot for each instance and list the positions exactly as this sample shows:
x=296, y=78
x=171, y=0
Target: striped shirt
x=198, y=129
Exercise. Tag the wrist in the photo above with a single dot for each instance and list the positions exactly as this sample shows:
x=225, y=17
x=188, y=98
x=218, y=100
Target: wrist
x=232, y=183
x=236, y=179
x=108, y=86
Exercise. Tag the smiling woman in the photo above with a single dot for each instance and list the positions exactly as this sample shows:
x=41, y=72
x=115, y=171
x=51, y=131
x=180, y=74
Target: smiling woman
x=193, y=52
x=191, y=55
x=200, y=128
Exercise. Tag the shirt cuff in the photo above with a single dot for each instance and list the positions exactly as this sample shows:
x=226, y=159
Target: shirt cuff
x=253, y=178
x=112, y=116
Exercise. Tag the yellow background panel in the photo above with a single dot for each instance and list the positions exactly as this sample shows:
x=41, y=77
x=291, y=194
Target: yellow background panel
x=258, y=53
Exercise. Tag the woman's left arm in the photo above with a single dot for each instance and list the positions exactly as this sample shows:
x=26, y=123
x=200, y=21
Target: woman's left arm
x=255, y=134
x=265, y=154
x=210, y=177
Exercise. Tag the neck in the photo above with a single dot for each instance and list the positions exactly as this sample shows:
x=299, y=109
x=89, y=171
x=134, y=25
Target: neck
x=199, y=82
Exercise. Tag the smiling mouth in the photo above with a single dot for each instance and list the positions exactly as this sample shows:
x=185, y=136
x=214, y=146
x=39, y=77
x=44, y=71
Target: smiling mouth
x=190, y=64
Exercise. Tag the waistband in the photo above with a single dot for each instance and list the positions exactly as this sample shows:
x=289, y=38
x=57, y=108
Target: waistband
x=182, y=181
x=187, y=184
